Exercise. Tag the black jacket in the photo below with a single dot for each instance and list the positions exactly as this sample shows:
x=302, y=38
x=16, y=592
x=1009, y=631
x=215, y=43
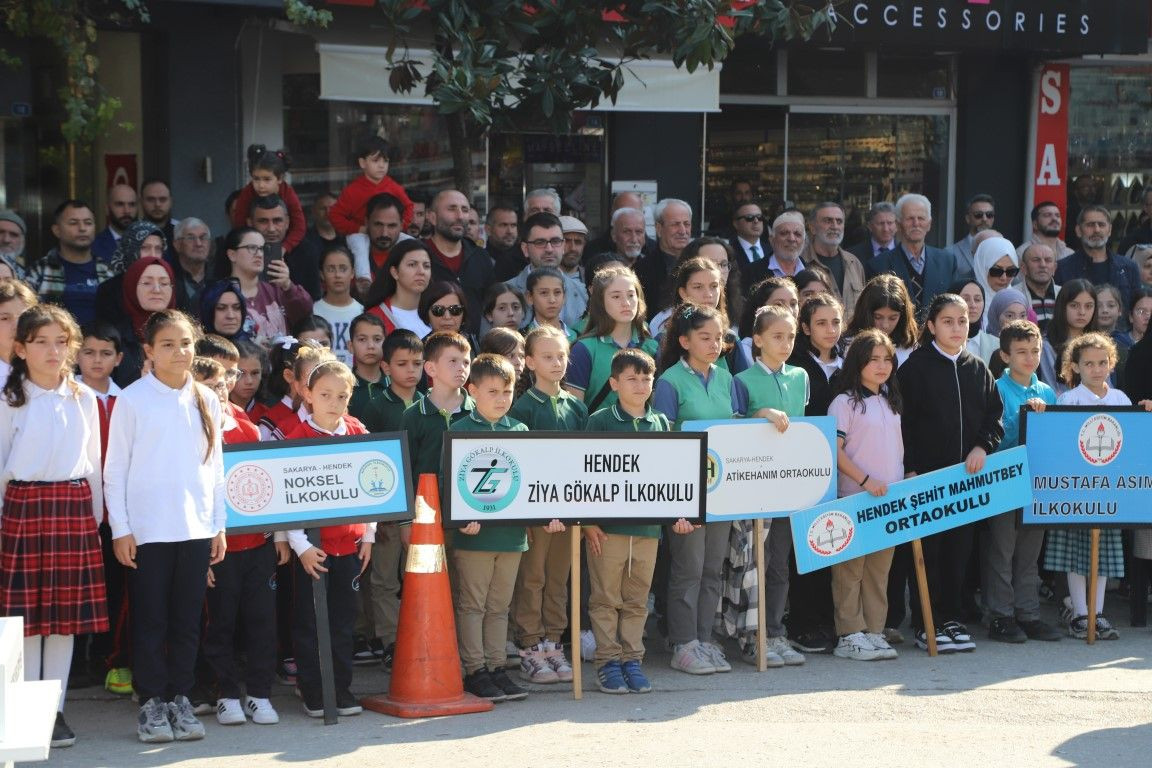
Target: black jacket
x=819, y=386
x=475, y=277
x=1137, y=382
x=949, y=409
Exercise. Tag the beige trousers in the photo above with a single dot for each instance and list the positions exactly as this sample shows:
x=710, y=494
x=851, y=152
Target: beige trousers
x=860, y=593
x=484, y=582
x=620, y=578
x=540, y=602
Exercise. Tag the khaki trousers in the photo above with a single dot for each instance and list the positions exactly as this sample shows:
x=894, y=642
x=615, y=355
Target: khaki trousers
x=540, y=602
x=860, y=593
x=380, y=587
x=618, y=603
x=484, y=582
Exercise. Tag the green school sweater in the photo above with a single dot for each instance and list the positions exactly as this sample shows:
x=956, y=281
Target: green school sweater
x=785, y=391
x=614, y=419
x=366, y=399
x=492, y=538
x=601, y=350
x=425, y=425
x=541, y=412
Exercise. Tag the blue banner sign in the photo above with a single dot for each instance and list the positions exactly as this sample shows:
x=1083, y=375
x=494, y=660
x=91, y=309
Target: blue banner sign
x=948, y=498
x=307, y=483
x=1090, y=466
x=756, y=471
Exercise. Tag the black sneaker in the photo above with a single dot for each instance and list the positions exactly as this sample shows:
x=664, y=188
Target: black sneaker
x=815, y=641
x=202, y=702
x=362, y=653
x=512, y=692
x=386, y=656
x=944, y=642
x=313, y=707
x=1038, y=630
x=347, y=704
x=961, y=639
x=1005, y=630
x=62, y=735
x=479, y=683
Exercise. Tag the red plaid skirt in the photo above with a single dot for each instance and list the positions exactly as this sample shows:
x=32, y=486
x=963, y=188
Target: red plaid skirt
x=51, y=569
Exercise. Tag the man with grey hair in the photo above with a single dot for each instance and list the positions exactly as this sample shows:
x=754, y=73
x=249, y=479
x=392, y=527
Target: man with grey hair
x=842, y=272
x=926, y=270
x=13, y=231
x=605, y=242
x=541, y=201
x=787, y=244
x=881, y=224
x=192, y=242
x=673, y=233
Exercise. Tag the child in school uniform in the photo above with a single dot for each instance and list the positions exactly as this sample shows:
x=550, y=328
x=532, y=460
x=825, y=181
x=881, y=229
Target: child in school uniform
x=692, y=386
x=869, y=456
x=540, y=601
x=164, y=477
x=1088, y=362
x=622, y=558
x=344, y=553
x=775, y=390
x=403, y=364
x=280, y=417
x=241, y=592
x=488, y=557
x=447, y=360
x=51, y=572
x=951, y=415
x=252, y=362
x=1010, y=574
x=15, y=297
x=366, y=340
x=98, y=358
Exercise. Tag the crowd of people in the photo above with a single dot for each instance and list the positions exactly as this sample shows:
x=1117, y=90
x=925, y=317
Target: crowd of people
x=132, y=355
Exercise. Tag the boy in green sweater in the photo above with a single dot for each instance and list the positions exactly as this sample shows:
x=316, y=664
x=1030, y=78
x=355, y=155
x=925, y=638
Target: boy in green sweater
x=622, y=557
x=487, y=559
x=446, y=362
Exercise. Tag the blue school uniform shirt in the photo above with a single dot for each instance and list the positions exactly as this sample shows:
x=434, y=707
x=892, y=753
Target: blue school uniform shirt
x=1013, y=396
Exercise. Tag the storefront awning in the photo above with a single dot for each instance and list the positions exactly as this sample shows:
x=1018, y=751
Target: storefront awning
x=360, y=73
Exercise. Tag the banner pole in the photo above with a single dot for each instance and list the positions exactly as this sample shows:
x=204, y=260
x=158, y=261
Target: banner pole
x=1093, y=580
x=323, y=638
x=761, y=618
x=574, y=621
x=925, y=598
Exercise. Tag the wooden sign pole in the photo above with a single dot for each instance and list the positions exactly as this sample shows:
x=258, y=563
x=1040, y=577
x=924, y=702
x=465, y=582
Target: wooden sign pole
x=925, y=598
x=1093, y=580
x=574, y=621
x=761, y=618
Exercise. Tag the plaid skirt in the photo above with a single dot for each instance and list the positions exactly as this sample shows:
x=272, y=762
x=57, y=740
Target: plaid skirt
x=1070, y=550
x=51, y=567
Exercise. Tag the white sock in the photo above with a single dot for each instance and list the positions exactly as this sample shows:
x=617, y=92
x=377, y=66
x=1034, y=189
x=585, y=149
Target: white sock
x=1078, y=590
x=1101, y=584
x=58, y=662
x=32, y=656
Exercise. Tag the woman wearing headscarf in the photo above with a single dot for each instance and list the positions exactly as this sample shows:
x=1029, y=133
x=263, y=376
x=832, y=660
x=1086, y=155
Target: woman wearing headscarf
x=147, y=287
x=995, y=265
x=223, y=310
x=140, y=239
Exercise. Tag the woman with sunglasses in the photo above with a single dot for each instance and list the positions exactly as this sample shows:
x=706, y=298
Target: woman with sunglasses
x=444, y=308
x=995, y=265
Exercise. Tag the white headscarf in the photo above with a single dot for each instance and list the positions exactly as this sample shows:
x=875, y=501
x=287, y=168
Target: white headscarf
x=987, y=254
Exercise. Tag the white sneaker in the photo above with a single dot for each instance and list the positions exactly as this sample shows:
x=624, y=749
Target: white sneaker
x=880, y=644
x=555, y=658
x=780, y=647
x=261, y=711
x=228, y=712
x=587, y=645
x=856, y=647
x=716, y=655
x=534, y=667
x=693, y=659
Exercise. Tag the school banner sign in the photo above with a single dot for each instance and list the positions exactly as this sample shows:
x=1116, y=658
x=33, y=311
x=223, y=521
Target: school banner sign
x=528, y=478
x=307, y=483
x=1090, y=466
x=756, y=471
x=948, y=498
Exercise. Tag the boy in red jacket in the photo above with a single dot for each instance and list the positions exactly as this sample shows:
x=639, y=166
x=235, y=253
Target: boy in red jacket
x=347, y=214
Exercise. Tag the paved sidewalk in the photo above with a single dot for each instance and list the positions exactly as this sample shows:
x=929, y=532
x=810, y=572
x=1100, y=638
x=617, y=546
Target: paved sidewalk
x=1037, y=704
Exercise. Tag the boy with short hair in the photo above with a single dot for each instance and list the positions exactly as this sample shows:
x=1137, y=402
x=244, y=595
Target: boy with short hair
x=216, y=347
x=347, y=214
x=100, y=353
x=366, y=340
x=622, y=558
x=447, y=361
x=403, y=365
x=1011, y=580
x=487, y=558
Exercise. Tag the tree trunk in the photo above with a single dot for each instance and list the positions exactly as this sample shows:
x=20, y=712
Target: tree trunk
x=461, y=153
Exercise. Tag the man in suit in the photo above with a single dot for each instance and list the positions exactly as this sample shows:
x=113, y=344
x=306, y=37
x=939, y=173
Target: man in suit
x=981, y=215
x=927, y=271
x=749, y=244
x=881, y=223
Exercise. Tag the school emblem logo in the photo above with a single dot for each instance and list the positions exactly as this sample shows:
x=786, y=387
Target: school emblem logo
x=830, y=533
x=714, y=472
x=249, y=488
x=378, y=478
x=488, y=479
x=1100, y=439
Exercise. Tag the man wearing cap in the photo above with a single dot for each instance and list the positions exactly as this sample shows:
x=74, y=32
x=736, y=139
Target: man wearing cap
x=542, y=240
x=12, y=234
x=575, y=239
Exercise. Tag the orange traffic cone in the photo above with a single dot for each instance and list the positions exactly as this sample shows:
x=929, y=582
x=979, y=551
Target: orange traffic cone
x=426, y=679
